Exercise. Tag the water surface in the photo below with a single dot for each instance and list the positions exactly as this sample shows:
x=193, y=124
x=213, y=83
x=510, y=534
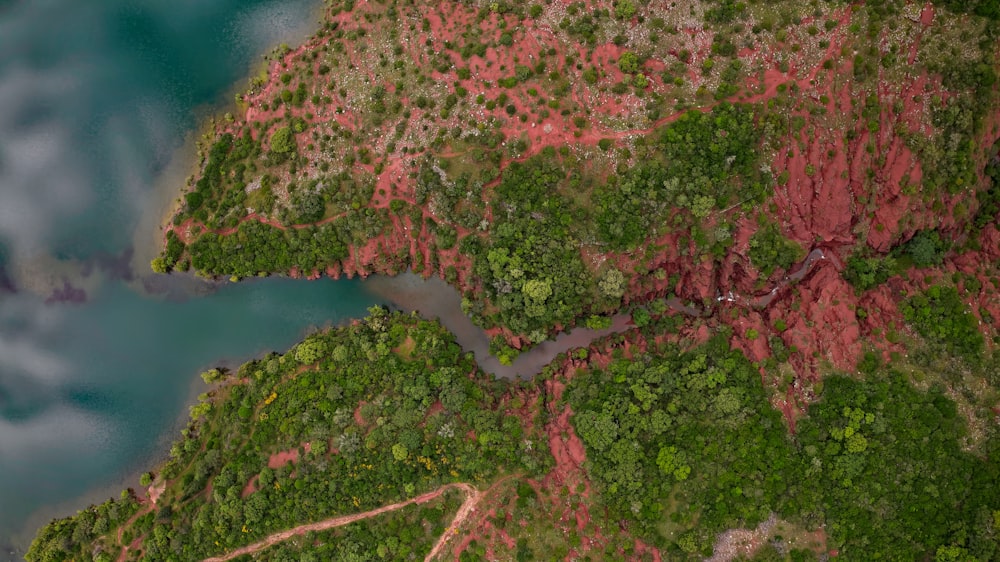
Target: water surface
x=92, y=393
x=95, y=372
x=434, y=298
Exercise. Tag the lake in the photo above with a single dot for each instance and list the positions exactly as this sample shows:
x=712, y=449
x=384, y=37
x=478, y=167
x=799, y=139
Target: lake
x=98, y=360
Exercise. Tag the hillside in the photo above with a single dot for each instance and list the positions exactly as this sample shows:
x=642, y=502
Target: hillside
x=559, y=162
x=795, y=203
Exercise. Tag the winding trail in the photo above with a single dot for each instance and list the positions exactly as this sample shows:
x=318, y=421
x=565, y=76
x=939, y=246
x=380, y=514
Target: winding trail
x=472, y=496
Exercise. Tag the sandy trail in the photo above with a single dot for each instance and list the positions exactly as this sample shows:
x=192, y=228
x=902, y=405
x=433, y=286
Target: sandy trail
x=471, y=497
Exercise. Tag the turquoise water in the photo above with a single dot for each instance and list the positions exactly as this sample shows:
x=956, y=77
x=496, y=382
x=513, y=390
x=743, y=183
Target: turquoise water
x=96, y=369
x=118, y=372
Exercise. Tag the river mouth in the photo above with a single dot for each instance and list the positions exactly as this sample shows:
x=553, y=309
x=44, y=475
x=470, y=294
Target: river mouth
x=117, y=388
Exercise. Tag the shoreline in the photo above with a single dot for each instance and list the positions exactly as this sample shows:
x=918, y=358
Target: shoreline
x=170, y=184
x=43, y=275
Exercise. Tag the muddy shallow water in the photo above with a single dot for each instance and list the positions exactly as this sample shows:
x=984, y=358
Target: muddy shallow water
x=98, y=358
x=433, y=298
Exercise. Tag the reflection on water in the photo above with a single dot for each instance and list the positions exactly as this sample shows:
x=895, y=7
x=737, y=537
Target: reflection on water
x=96, y=98
x=88, y=390
x=97, y=359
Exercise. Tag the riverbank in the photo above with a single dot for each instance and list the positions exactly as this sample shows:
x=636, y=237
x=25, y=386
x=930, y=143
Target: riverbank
x=434, y=298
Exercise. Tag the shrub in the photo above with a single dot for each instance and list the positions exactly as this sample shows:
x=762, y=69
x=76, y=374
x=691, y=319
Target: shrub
x=939, y=315
x=282, y=141
x=770, y=250
x=624, y=9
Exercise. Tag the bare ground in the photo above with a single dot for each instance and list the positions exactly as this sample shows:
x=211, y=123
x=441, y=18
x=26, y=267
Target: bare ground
x=472, y=496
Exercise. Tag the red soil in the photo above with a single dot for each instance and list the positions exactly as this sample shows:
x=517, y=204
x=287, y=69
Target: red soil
x=250, y=488
x=642, y=548
x=828, y=200
x=358, y=419
x=281, y=458
x=569, y=453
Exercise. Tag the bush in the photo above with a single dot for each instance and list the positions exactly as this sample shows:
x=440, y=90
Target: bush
x=770, y=250
x=282, y=141
x=939, y=315
x=628, y=63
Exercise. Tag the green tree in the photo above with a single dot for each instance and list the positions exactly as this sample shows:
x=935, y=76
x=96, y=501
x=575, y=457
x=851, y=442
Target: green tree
x=282, y=141
x=213, y=375
x=628, y=62
x=310, y=351
x=940, y=315
x=868, y=272
x=612, y=283
x=400, y=452
x=770, y=250
x=926, y=248
x=537, y=290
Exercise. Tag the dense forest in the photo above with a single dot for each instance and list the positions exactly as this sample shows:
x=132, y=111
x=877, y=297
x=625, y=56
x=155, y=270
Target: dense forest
x=877, y=462
x=684, y=444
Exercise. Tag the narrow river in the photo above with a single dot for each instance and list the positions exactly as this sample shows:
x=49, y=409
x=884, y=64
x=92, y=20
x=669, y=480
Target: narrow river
x=98, y=358
x=435, y=298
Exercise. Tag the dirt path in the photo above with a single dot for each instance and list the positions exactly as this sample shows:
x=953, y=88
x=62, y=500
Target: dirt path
x=471, y=498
